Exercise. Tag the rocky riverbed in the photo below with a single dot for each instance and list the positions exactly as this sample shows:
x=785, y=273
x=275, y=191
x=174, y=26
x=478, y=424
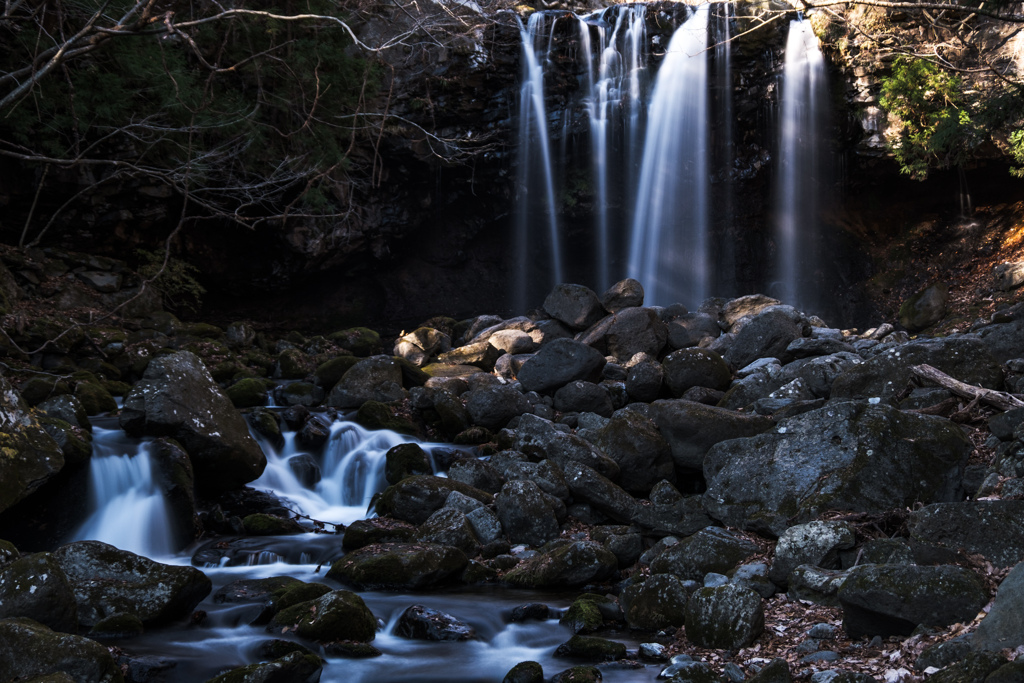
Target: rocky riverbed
x=738, y=492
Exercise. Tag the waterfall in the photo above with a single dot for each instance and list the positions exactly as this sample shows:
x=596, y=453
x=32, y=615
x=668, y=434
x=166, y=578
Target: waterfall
x=616, y=86
x=538, y=252
x=128, y=507
x=668, y=250
x=799, y=174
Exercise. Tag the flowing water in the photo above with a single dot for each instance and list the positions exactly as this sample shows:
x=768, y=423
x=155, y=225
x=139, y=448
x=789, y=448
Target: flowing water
x=799, y=183
x=129, y=513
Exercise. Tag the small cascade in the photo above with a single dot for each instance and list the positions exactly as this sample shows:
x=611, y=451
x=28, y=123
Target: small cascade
x=616, y=87
x=668, y=249
x=538, y=252
x=799, y=181
x=129, y=510
x=351, y=472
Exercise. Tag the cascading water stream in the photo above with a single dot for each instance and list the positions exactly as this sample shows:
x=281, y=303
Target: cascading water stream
x=536, y=176
x=669, y=243
x=129, y=510
x=799, y=179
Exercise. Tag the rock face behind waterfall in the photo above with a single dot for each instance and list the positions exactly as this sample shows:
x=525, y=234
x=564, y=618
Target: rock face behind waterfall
x=178, y=398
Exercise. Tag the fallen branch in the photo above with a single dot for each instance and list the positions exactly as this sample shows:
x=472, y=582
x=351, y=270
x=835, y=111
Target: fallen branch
x=996, y=399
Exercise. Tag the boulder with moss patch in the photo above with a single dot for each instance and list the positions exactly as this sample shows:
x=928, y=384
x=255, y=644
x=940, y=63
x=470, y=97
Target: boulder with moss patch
x=29, y=456
x=398, y=566
x=42, y=652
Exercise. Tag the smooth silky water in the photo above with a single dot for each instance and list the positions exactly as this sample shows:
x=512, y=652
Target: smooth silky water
x=128, y=512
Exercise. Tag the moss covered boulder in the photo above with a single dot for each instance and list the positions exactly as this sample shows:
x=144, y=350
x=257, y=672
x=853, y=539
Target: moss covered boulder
x=337, y=615
x=364, y=532
x=728, y=617
x=35, y=586
x=28, y=455
x=567, y=564
x=361, y=341
x=378, y=378
x=591, y=648
x=109, y=581
x=398, y=566
x=248, y=393
x=262, y=524
x=657, y=603
x=414, y=499
x=846, y=456
x=377, y=415
x=42, y=652
x=295, y=667
x=94, y=398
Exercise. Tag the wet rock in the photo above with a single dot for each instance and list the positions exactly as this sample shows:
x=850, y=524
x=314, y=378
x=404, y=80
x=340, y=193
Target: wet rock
x=449, y=527
x=337, y=615
x=299, y=394
x=248, y=393
x=583, y=616
x=691, y=429
x=570, y=564
x=976, y=666
x=895, y=599
x=305, y=467
x=29, y=456
x=691, y=329
x=728, y=617
x=174, y=475
x=178, y=398
x=541, y=439
x=295, y=667
x=109, y=581
x=925, y=308
x=638, y=448
x=590, y=648
x=775, y=671
x=364, y=532
x=378, y=378
x=688, y=368
x=986, y=527
x=575, y=305
x=587, y=485
x=709, y=550
x=644, y=380
x=525, y=672
x=398, y=566
x=767, y=335
x=658, y=602
x=558, y=363
x=1003, y=627
x=415, y=498
x=261, y=524
x=422, y=623
x=627, y=333
x=888, y=373
x=849, y=456
x=405, y=460
x=492, y=407
x=527, y=514
x=35, y=586
x=816, y=543
x=42, y=652
x=66, y=408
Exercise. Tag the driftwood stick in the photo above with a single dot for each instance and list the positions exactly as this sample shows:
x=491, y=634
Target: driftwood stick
x=997, y=399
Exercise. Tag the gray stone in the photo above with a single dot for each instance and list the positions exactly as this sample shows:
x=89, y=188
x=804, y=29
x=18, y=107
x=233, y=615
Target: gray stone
x=29, y=456
x=589, y=486
x=987, y=527
x=42, y=652
x=727, y=617
x=450, y=527
x=925, y=308
x=1004, y=341
x=817, y=585
x=542, y=439
x=692, y=329
x=845, y=456
x=692, y=429
x=623, y=294
x=710, y=550
x=816, y=543
x=1003, y=627
x=558, y=363
x=638, y=448
x=643, y=381
x=398, y=566
x=493, y=406
x=688, y=368
x=575, y=305
x=768, y=334
x=377, y=378
x=527, y=514
x=568, y=564
x=658, y=602
x=35, y=586
x=1007, y=276
x=583, y=397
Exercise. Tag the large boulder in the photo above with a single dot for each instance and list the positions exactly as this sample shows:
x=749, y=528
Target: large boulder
x=35, y=586
x=692, y=428
x=638, y=448
x=527, y=514
x=568, y=564
x=710, y=550
x=888, y=373
x=575, y=305
x=294, y=667
x=623, y=294
x=1004, y=340
x=688, y=368
x=178, y=398
x=377, y=378
x=894, y=599
x=542, y=439
x=423, y=623
x=986, y=527
x=558, y=363
x=415, y=498
x=846, y=456
x=627, y=333
x=588, y=486
x=493, y=406
x=816, y=543
x=669, y=513
x=1003, y=627
x=691, y=329
x=925, y=308
x=767, y=335
x=29, y=456
x=338, y=615
x=656, y=603
x=398, y=566
x=109, y=581
x=42, y=652
x=726, y=617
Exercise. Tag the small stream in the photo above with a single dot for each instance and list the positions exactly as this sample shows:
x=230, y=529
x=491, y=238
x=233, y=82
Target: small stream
x=129, y=513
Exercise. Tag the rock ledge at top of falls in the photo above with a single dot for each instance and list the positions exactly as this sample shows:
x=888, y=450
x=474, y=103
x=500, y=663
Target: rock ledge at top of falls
x=178, y=398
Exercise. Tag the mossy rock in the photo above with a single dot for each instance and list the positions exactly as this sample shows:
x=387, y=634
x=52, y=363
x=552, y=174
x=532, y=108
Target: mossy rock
x=398, y=566
x=583, y=616
x=28, y=454
x=329, y=373
x=377, y=415
x=405, y=460
x=226, y=371
x=351, y=650
x=260, y=359
x=361, y=341
x=37, y=389
x=202, y=331
x=248, y=393
x=974, y=667
x=473, y=436
x=414, y=499
x=75, y=443
x=775, y=671
x=8, y=552
x=100, y=368
x=412, y=376
x=277, y=648
x=591, y=648
x=42, y=652
x=299, y=592
x=657, y=603
x=94, y=398
x=450, y=370
x=293, y=364
x=525, y=672
x=364, y=532
x=296, y=666
x=115, y=388
x=478, y=572
x=261, y=524
x=267, y=424
x=120, y=625
x=337, y=615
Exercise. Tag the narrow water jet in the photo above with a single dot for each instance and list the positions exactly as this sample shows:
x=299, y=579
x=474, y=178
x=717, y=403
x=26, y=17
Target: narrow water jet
x=799, y=181
x=538, y=252
x=668, y=250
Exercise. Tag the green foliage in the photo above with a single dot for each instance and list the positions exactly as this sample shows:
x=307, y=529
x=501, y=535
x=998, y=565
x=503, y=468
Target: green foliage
x=177, y=282
x=1017, y=151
